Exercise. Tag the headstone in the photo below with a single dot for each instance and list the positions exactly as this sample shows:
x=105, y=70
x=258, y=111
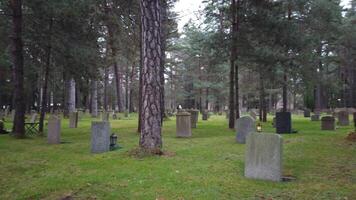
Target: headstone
x=315, y=117
x=253, y=115
x=205, y=115
x=100, y=137
x=126, y=114
x=343, y=118
x=73, y=120
x=283, y=122
x=54, y=130
x=33, y=118
x=264, y=156
x=105, y=116
x=194, y=115
x=114, y=116
x=183, y=124
x=307, y=113
x=328, y=123
x=244, y=126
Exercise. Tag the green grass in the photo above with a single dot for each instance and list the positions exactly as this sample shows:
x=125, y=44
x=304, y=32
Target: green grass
x=209, y=165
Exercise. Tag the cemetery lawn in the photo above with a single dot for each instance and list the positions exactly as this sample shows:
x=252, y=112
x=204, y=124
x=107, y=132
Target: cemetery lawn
x=209, y=165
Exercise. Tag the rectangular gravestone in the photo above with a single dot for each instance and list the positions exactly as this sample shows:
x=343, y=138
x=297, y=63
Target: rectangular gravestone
x=283, y=122
x=33, y=118
x=264, y=156
x=315, y=117
x=100, y=137
x=328, y=123
x=183, y=124
x=105, y=116
x=73, y=120
x=194, y=115
x=343, y=118
x=244, y=126
x=306, y=113
x=54, y=130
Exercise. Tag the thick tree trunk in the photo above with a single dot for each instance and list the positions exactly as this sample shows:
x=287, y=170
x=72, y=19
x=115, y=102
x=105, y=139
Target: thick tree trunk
x=17, y=63
x=151, y=113
x=164, y=33
x=45, y=81
x=94, y=98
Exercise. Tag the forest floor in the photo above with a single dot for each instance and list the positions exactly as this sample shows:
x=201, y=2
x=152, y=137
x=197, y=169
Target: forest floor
x=209, y=165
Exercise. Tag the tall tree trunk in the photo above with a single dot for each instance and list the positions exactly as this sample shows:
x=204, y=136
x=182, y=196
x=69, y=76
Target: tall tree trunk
x=45, y=84
x=132, y=76
x=207, y=99
x=17, y=63
x=70, y=96
x=94, y=98
x=106, y=81
x=164, y=33
x=127, y=89
x=151, y=113
x=263, y=106
x=285, y=75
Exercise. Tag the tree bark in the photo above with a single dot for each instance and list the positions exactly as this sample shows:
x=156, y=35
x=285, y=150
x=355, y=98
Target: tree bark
x=45, y=84
x=151, y=113
x=18, y=72
x=233, y=56
x=94, y=98
x=164, y=33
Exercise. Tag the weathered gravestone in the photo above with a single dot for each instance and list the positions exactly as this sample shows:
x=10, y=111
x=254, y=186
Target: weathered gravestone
x=194, y=115
x=54, y=130
x=244, y=126
x=343, y=118
x=315, y=117
x=283, y=122
x=73, y=120
x=183, y=124
x=264, y=156
x=307, y=113
x=33, y=118
x=105, y=116
x=328, y=123
x=205, y=115
x=114, y=116
x=100, y=137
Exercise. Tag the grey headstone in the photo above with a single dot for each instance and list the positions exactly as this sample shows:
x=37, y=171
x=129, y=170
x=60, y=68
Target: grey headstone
x=205, y=115
x=307, y=113
x=253, y=114
x=264, y=156
x=315, y=117
x=343, y=118
x=194, y=115
x=328, y=123
x=54, y=130
x=105, y=116
x=73, y=120
x=114, y=116
x=183, y=124
x=100, y=137
x=244, y=126
x=33, y=118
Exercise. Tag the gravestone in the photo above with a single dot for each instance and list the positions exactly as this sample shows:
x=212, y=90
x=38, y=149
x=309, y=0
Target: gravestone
x=105, y=116
x=194, y=115
x=100, y=137
x=253, y=115
x=264, y=156
x=307, y=113
x=343, y=118
x=73, y=120
x=244, y=126
x=183, y=124
x=205, y=115
x=283, y=122
x=33, y=118
x=328, y=123
x=315, y=118
x=54, y=130
x=114, y=116
x=126, y=114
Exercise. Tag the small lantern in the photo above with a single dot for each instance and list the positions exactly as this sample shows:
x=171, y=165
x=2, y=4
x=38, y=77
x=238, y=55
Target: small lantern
x=259, y=127
x=113, y=141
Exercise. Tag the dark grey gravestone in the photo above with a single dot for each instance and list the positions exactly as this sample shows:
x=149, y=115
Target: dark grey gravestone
x=183, y=124
x=283, y=122
x=328, y=123
x=343, y=118
x=205, y=115
x=73, y=120
x=100, y=137
x=315, y=118
x=194, y=115
x=306, y=113
x=244, y=126
x=264, y=156
x=54, y=130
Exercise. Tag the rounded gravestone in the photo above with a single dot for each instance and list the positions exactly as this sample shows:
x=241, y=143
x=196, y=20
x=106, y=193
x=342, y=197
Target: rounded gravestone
x=328, y=123
x=183, y=124
x=194, y=114
x=244, y=126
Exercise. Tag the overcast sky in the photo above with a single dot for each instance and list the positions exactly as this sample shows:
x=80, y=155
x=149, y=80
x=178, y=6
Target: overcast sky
x=188, y=9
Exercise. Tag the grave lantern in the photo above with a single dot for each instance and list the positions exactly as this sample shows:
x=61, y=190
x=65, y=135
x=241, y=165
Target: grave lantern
x=113, y=141
x=259, y=127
